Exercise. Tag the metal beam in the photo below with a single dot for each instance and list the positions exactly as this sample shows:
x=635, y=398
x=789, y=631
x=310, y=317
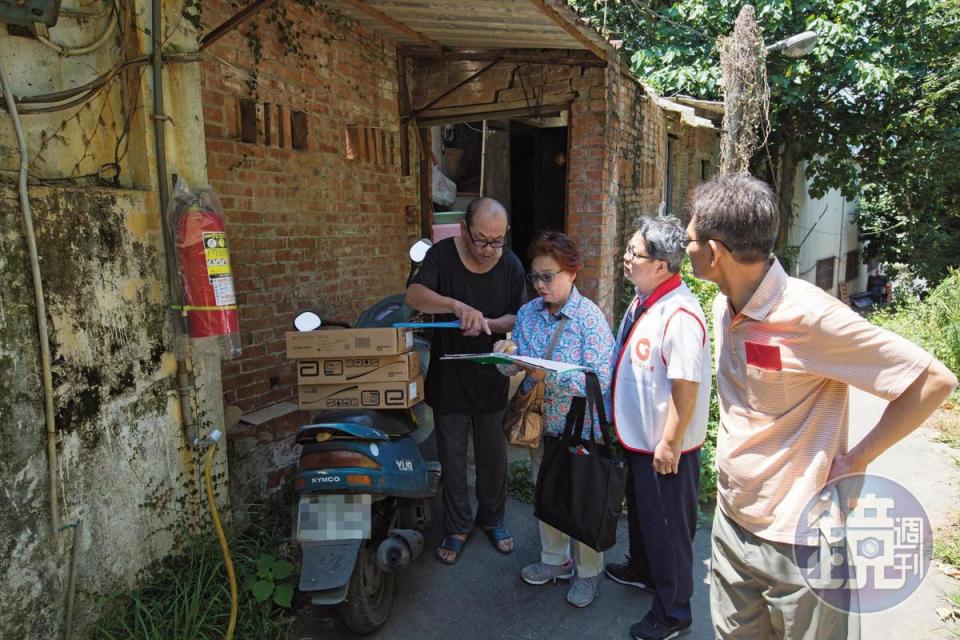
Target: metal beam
x=396, y=25
x=232, y=23
x=443, y=95
x=559, y=57
x=551, y=13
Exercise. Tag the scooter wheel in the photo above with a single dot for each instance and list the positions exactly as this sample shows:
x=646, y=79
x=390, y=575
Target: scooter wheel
x=370, y=593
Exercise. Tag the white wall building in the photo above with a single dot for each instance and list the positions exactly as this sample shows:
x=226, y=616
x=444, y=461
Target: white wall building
x=828, y=245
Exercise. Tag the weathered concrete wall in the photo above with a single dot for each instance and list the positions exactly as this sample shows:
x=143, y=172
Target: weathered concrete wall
x=123, y=465
x=117, y=428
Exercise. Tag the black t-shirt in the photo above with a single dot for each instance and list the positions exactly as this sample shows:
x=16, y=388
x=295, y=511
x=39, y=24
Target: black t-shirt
x=467, y=387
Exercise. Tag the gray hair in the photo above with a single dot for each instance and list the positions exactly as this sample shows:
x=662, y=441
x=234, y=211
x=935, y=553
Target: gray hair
x=665, y=238
x=739, y=211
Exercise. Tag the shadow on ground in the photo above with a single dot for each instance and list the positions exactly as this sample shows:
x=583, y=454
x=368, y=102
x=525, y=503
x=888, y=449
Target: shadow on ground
x=482, y=597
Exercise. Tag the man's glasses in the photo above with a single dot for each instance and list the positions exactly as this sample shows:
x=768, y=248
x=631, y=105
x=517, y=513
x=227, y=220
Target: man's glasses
x=632, y=253
x=481, y=244
x=544, y=276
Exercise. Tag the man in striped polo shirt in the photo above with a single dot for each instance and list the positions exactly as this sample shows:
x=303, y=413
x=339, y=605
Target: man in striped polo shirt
x=786, y=354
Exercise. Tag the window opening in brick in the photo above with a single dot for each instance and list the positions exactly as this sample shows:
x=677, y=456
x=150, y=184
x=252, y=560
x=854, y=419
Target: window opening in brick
x=825, y=273
x=267, y=124
x=368, y=144
x=248, y=121
x=704, y=170
x=852, y=269
x=283, y=126
x=352, y=142
x=298, y=130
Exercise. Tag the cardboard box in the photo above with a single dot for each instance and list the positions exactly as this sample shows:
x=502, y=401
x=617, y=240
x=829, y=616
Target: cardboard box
x=327, y=343
x=399, y=394
x=358, y=369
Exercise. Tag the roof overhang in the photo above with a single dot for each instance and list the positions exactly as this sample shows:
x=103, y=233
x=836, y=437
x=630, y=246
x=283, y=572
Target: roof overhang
x=686, y=111
x=441, y=25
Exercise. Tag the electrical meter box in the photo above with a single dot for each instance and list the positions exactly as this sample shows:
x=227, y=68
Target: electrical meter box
x=26, y=13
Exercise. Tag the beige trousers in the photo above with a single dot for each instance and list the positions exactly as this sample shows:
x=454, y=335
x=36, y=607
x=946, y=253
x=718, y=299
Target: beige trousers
x=555, y=545
x=758, y=592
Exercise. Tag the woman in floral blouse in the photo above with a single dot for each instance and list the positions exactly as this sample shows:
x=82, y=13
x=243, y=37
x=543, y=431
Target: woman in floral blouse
x=585, y=339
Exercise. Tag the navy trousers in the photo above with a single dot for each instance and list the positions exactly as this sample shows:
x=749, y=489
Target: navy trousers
x=662, y=519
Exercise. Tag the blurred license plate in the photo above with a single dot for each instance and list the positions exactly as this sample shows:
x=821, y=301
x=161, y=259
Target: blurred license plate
x=337, y=517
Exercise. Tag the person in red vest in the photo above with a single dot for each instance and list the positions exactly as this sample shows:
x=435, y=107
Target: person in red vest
x=661, y=402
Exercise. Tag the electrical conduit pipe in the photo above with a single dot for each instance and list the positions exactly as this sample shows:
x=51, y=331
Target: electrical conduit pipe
x=41, y=308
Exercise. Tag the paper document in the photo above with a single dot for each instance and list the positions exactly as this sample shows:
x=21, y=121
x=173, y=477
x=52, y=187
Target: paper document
x=508, y=359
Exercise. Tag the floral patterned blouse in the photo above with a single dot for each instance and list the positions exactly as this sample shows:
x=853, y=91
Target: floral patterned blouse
x=586, y=340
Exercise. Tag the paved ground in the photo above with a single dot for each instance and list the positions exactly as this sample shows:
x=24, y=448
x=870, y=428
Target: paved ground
x=482, y=597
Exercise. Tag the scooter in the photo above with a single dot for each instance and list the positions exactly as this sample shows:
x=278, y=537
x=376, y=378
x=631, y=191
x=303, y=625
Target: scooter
x=364, y=489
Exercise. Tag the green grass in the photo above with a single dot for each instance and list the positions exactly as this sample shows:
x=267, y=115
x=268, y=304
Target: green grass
x=933, y=323
x=947, y=548
x=186, y=595
x=948, y=425
x=520, y=481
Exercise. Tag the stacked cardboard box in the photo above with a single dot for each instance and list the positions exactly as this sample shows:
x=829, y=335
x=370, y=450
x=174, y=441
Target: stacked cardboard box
x=356, y=368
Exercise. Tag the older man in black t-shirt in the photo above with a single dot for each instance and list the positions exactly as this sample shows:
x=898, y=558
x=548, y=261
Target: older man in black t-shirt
x=475, y=279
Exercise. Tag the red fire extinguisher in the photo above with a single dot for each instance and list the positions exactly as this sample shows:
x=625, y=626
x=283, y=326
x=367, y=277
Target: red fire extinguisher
x=204, y=261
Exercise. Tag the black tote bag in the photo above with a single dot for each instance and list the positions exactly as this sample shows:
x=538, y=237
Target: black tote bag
x=581, y=482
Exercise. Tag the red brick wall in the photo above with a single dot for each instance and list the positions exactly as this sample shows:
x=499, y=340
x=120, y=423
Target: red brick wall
x=307, y=228
x=693, y=146
x=640, y=152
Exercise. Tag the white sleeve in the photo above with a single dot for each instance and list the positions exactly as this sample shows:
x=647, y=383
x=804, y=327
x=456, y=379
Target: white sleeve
x=684, y=348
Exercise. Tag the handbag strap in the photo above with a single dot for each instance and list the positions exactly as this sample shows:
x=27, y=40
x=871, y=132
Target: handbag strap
x=555, y=337
x=595, y=405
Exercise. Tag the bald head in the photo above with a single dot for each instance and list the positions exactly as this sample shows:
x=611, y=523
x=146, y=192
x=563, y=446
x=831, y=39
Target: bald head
x=485, y=207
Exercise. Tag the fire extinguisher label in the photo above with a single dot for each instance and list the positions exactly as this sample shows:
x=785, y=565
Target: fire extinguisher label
x=216, y=252
x=218, y=267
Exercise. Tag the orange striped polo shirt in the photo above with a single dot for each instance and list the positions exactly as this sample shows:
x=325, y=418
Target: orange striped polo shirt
x=784, y=364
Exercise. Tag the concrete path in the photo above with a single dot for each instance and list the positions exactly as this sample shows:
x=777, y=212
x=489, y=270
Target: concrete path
x=482, y=597
x=928, y=469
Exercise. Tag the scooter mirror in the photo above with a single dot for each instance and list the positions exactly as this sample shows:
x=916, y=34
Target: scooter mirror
x=419, y=250
x=307, y=321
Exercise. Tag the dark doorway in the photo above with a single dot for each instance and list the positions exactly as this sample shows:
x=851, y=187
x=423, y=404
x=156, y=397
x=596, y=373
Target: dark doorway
x=538, y=183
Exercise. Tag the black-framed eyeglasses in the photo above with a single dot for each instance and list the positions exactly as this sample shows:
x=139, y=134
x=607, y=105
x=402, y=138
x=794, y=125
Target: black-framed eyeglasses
x=544, y=276
x=688, y=240
x=480, y=244
x=632, y=253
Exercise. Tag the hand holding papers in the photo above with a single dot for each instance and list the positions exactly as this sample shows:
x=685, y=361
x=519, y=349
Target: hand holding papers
x=524, y=362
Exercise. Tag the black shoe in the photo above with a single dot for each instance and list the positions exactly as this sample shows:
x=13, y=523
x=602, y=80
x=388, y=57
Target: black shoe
x=648, y=629
x=624, y=573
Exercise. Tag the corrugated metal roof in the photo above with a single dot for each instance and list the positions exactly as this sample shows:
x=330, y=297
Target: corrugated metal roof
x=489, y=24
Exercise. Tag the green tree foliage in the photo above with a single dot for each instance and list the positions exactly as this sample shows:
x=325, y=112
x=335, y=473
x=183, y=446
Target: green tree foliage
x=873, y=109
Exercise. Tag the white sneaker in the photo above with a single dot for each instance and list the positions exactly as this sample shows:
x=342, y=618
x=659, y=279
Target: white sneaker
x=542, y=573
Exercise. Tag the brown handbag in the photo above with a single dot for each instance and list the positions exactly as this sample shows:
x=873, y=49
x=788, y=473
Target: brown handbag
x=523, y=420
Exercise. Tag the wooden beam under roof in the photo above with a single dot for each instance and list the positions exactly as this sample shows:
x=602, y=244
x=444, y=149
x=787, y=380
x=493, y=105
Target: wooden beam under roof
x=551, y=13
x=550, y=104
x=359, y=5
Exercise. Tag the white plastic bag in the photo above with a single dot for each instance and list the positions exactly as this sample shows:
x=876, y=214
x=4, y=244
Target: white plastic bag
x=444, y=189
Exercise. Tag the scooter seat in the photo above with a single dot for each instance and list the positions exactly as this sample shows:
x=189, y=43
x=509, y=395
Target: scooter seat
x=391, y=421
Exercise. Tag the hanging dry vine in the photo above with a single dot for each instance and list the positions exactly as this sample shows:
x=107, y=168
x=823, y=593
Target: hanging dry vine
x=743, y=61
